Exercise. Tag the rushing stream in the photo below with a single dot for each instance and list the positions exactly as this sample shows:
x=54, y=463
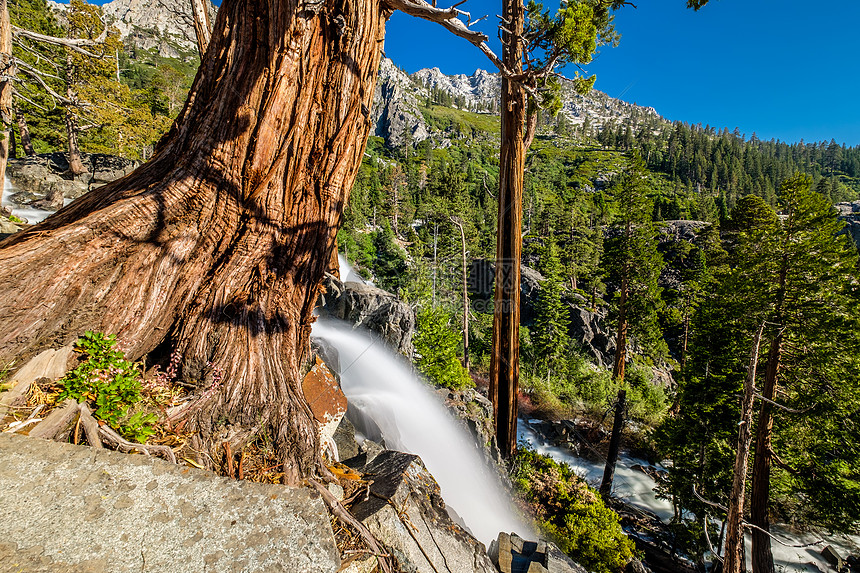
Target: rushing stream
x=637, y=489
x=25, y=212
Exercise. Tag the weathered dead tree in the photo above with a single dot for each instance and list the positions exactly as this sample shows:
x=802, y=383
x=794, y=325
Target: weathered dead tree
x=459, y=224
x=216, y=247
x=202, y=26
x=7, y=71
x=505, y=357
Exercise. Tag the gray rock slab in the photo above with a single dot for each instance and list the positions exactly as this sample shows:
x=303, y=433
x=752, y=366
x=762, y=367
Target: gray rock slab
x=405, y=511
x=66, y=508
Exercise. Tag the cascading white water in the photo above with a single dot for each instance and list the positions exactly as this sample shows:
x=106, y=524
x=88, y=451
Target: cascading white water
x=382, y=387
x=630, y=485
x=347, y=272
x=637, y=489
x=28, y=214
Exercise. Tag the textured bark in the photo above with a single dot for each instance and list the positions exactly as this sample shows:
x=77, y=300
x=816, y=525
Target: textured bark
x=762, y=558
x=505, y=360
x=733, y=556
x=618, y=368
x=76, y=165
x=459, y=226
x=216, y=247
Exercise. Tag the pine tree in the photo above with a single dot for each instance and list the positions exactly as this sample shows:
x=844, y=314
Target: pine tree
x=795, y=276
x=552, y=316
x=633, y=264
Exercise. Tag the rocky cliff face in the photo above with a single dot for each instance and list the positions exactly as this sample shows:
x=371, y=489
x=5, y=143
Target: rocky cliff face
x=399, y=119
x=165, y=25
x=850, y=214
x=480, y=88
x=395, y=107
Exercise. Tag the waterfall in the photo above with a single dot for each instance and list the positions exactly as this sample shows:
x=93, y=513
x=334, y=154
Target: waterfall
x=348, y=273
x=382, y=387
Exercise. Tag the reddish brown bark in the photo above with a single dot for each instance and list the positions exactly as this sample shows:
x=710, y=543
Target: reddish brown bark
x=762, y=557
x=505, y=360
x=216, y=247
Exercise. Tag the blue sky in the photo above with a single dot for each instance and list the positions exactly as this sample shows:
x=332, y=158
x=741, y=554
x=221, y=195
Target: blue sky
x=785, y=69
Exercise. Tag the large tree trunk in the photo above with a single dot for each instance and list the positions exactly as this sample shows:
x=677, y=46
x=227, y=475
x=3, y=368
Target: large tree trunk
x=618, y=371
x=734, y=561
x=7, y=70
x=762, y=557
x=216, y=247
x=505, y=360
x=459, y=225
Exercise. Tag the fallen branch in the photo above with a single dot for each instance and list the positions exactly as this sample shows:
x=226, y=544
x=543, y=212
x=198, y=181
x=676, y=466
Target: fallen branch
x=71, y=43
x=58, y=423
x=121, y=444
x=344, y=515
x=449, y=19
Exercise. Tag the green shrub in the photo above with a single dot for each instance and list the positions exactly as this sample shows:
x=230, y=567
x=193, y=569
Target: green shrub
x=571, y=513
x=111, y=382
x=437, y=344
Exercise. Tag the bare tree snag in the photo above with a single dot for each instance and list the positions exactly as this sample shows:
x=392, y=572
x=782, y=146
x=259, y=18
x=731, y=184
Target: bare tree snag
x=459, y=225
x=733, y=555
x=7, y=71
x=216, y=247
x=505, y=359
x=202, y=26
x=76, y=165
x=24, y=131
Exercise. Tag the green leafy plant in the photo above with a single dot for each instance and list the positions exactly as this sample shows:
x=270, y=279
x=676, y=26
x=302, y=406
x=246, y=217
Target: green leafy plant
x=110, y=381
x=15, y=219
x=437, y=344
x=571, y=513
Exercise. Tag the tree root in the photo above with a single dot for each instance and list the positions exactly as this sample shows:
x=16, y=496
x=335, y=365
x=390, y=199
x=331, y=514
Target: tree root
x=91, y=427
x=123, y=445
x=344, y=515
